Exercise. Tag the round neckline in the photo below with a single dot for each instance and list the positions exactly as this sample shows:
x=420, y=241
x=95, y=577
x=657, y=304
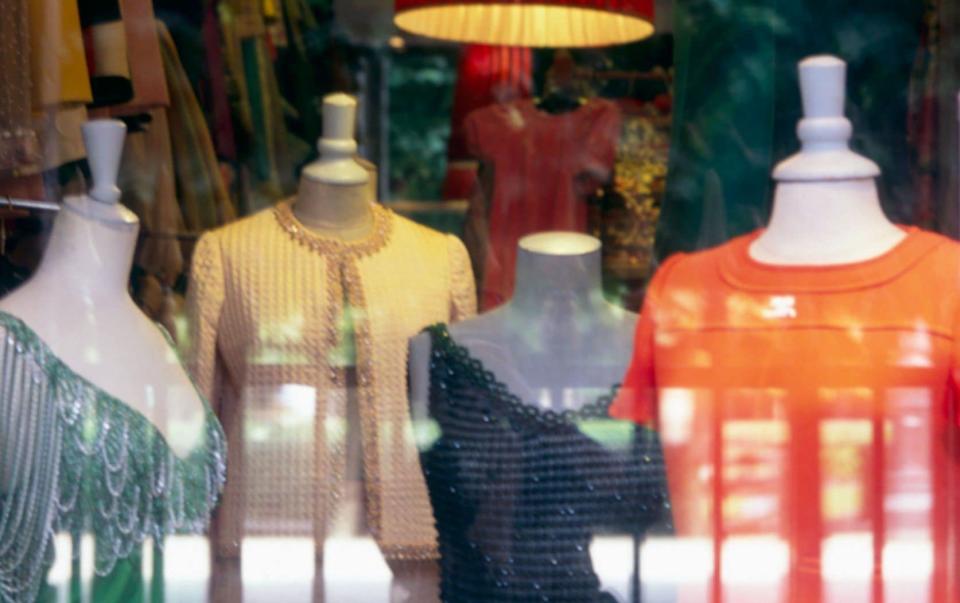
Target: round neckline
x=531, y=105
x=908, y=231
x=372, y=242
x=504, y=394
x=743, y=271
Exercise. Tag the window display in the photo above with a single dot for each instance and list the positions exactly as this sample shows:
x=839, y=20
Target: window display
x=527, y=465
x=804, y=389
x=295, y=327
x=545, y=158
x=479, y=301
x=103, y=431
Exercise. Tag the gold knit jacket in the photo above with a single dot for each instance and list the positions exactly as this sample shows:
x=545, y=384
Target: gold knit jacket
x=266, y=305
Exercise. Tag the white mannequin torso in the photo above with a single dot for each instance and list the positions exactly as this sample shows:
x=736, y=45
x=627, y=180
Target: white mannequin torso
x=78, y=304
x=826, y=223
x=557, y=344
x=340, y=211
x=826, y=210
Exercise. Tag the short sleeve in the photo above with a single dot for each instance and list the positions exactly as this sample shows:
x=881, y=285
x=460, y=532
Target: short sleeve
x=205, y=296
x=953, y=405
x=473, y=132
x=602, y=139
x=637, y=398
x=463, y=294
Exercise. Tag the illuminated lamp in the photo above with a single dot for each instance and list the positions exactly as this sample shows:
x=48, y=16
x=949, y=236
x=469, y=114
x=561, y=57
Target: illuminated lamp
x=541, y=23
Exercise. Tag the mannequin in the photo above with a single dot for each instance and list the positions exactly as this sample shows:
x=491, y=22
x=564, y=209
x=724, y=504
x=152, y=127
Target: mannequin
x=508, y=398
x=334, y=200
x=825, y=209
x=111, y=439
x=323, y=292
x=334, y=196
x=755, y=348
x=557, y=343
x=78, y=303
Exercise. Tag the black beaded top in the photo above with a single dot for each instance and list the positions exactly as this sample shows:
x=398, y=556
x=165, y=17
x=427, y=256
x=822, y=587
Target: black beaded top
x=517, y=492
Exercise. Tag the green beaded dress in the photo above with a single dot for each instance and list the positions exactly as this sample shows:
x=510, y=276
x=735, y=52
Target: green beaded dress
x=75, y=460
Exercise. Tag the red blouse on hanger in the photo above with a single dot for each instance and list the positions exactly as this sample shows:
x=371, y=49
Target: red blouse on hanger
x=544, y=167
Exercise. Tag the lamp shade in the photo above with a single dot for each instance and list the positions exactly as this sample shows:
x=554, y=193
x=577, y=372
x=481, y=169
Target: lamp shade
x=541, y=23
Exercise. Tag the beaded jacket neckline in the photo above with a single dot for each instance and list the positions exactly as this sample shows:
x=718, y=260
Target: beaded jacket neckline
x=378, y=237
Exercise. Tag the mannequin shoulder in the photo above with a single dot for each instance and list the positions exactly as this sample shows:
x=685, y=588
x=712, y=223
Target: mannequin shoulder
x=253, y=235
x=687, y=264
x=701, y=264
x=483, y=326
x=942, y=254
x=943, y=242
x=97, y=334
x=121, y=353
x=415, y=235
x=260, y=221
x=491, y=113
x=406, y=227
x=603, y=106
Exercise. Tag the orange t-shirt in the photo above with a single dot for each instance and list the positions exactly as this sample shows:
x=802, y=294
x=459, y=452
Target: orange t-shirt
x=808, y=423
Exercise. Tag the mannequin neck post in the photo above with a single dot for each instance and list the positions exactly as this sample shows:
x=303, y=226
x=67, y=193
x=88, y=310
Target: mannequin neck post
x=89, y=255
x=558, y=285
x=338, y=210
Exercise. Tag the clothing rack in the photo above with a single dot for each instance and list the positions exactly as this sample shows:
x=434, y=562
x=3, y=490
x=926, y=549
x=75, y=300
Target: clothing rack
x=181, y=236
x=53, y=206
x=30, y=204
x=657, y=74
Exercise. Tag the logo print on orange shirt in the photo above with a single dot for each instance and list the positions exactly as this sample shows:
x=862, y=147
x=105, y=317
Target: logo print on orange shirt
x=781, y=306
